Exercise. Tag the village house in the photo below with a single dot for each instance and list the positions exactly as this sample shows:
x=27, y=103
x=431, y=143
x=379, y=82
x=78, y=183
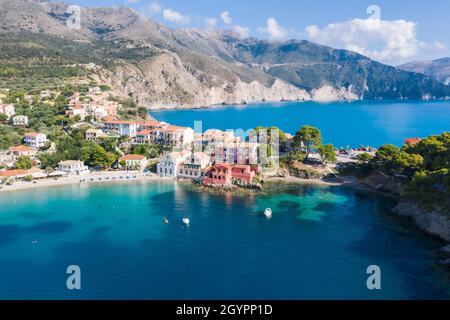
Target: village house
x=220, y=174
x=45, y=94
x=144, y=137
x=20, y=151
x=179, y=136
x=95, y=90
x=194, y=166
x=153, y=124
x=20, y=121
x=169, y=163
x=7, y=109
x=35, y=139
x=73, y=167
x=235, y=153
x=94, y=134
x=212, y=137
x=134, y=161
x=122, y=128
x=78, y=110
x=224, y=174
x=18, y=174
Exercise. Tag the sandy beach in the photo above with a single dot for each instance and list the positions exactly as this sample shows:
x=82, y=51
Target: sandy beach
x=92, y=178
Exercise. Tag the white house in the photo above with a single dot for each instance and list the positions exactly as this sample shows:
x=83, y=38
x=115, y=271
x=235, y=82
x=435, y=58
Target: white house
x=122, y=128
x=144, y=136
x=20, y=151
x=95, y=90
x=235, y=153
x=94, y=134
x=179, y=136
x=73, y=167
x=20, y=121
x=134, y=161
x=78, y=110
x=169, y=163
x=35, y=139
x=7, y=109
x=194, y=166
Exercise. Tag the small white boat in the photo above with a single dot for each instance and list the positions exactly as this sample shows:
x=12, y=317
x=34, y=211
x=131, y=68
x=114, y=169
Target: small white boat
x=166, y=221
x=268, y=213
x=34, y=242
x=186, y=221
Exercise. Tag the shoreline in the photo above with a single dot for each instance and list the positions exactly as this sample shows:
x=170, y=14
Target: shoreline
x=113, y=177
x=215, y=106
x=124, y=177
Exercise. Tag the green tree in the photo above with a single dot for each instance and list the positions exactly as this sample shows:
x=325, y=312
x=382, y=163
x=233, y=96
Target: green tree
x=403, y=162
x=24, y=163
x=309, y=139
x=3, y=117
x=327, y=153
x=364, y=157
x=142, y=112
x=95, y=156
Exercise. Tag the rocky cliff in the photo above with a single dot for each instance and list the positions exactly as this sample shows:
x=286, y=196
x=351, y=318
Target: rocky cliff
x=165, y=68
x=434, y=222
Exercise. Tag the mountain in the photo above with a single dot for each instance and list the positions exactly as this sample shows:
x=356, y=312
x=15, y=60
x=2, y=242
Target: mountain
x=438, y=70
x=165, y=68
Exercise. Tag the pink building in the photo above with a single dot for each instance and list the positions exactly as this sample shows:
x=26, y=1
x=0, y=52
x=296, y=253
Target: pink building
x=243, y=172
x=223, y=174
x=220, y=174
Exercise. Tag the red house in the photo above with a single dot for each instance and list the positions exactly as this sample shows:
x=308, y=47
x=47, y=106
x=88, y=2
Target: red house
x=218, y=174
x=223, y=174
x=243, y=172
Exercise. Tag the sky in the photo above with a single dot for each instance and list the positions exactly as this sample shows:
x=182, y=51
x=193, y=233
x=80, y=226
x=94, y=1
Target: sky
x=392, y=32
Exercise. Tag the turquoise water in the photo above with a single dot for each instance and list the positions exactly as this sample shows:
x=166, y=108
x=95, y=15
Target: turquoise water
x=342, y=123
x=318, y=244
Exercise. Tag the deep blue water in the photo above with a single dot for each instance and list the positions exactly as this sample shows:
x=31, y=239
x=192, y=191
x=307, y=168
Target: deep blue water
x=318, y=244
x=342, y=123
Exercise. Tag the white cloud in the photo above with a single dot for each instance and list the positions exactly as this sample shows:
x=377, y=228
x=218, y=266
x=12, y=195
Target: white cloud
x=243, y=32
x=211, y=23
x=153, y=8
x=176, y=17
x=391, y=42
x=274, y=30
x=131, y=2
x=226, y=18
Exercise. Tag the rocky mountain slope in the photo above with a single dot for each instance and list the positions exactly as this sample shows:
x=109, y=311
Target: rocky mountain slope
x=164, y=68
x=438, y=70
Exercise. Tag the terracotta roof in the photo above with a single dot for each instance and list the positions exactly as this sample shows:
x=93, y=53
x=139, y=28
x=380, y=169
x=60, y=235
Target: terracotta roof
x=152, y=123
x=20, y=149
x=70, y=162
x=144, y=132
x=32, y=134
x=13, y=173
x=412, y=141
x=136, y=157
x=175, y=128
